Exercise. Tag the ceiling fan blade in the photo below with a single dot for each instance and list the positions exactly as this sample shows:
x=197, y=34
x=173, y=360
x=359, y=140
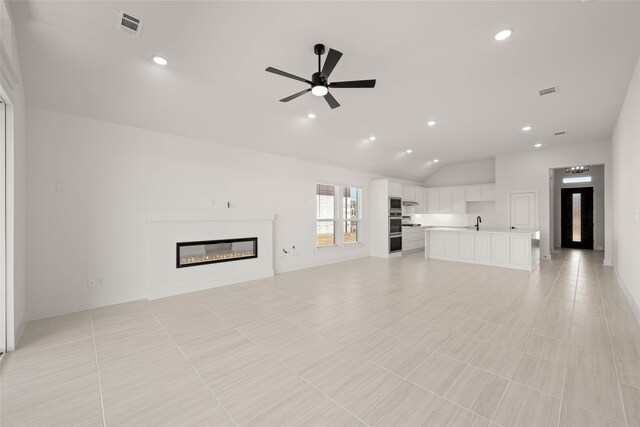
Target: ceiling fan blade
x=330, y=63
x=295, y=95
x=331, y=101
x=285, y=74
x=354, y=83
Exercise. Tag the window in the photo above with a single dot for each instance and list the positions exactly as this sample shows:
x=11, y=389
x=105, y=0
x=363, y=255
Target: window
x=338, y=215
x=325, y=215
x=351, y=214
x=576, y=180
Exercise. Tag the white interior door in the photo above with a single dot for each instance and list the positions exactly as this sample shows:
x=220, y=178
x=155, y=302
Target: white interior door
x=523, y=208
x=3, y=234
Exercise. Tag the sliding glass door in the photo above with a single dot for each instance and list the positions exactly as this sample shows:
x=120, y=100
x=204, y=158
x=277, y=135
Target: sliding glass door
x=3, y=230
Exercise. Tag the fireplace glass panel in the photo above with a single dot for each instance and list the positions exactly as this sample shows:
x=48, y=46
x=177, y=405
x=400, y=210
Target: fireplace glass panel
x=189, y=254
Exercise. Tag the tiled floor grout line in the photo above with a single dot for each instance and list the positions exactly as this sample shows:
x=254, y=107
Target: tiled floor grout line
x=95, y=353
x=493, y=414
x=375, y=364
x=295, y=373
x=192, y=367
x=566, y=366
x=613, y=355
x=410, y=381
x=467, y=364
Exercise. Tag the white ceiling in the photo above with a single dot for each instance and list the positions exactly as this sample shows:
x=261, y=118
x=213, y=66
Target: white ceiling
x=431, y=60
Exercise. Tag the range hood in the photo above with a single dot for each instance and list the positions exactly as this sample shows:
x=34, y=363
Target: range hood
x=410, y=203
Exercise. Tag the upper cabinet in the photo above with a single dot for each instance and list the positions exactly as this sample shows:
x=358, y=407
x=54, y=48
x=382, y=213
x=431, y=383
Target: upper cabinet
x=414, y=194
x=488, y=192
x=458, y=204
x=451, y=200
x=447, y=200
x=408, y=193
x=395, y=189
x=473, y=193
x=433, y=200
x=421, y=198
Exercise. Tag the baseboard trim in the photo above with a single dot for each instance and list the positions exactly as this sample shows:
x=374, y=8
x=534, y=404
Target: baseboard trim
x=326, y=261
x=632, y=303
x=46, y=311
x=16, y=339
x=202, y=285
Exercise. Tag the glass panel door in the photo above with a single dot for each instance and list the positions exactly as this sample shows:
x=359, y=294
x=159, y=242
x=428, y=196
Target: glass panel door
x=3, y=234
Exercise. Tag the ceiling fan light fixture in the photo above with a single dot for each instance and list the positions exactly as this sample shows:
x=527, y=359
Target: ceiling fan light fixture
x=319, y=90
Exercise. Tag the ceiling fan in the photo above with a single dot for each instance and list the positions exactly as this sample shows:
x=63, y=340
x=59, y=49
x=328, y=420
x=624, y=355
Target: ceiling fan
x=319, y=83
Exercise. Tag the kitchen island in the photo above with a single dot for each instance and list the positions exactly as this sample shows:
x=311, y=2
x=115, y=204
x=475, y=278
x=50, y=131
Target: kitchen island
x=498, y=248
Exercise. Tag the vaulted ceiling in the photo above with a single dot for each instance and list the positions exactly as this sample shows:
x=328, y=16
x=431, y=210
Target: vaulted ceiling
x=432, y=60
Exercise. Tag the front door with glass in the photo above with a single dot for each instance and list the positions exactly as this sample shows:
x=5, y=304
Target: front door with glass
x=577, y=218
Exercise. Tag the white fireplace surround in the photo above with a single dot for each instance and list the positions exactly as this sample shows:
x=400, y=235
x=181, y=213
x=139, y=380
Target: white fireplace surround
x=167, y=229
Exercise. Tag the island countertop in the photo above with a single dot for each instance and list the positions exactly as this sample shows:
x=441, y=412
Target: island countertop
x=472, y=229
x=499, y=248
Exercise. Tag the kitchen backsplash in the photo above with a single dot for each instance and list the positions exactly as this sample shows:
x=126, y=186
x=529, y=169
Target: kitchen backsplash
x=452, y=219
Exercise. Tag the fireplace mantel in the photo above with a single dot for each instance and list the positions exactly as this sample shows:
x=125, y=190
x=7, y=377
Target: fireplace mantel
x=167, y=229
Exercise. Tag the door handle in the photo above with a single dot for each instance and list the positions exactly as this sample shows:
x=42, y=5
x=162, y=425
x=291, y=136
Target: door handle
x=513, y=228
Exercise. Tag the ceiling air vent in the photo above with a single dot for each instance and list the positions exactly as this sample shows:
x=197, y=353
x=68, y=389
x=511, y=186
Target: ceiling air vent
x=562, y=132
x=548, y=91
x=130, y=24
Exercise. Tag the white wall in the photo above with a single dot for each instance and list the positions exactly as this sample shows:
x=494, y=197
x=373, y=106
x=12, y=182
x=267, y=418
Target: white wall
x=626, y=192
x=596, y=172
x=529, y=171
x=479, y=172
x=92, y=183
x=12, y=92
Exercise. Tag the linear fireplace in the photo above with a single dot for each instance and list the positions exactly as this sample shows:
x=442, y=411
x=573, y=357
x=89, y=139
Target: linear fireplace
x=189, y=254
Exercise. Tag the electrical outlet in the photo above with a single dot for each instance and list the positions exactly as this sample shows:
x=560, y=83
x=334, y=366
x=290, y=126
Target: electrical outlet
x=100, y=282
x=91, y=283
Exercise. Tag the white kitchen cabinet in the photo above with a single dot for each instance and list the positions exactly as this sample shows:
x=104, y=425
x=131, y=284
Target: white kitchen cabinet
x=451, y=244
x=520, y=250
x=408, y=193
x=412, y=239
x=457, y=200
x=433, y=200
x=500, y=249
x=488, y=192
x=395, y=189
x=445, y=200
x=466, y=246
x=483, y=247
x=437, y=243
x=473, y=193
x=421, y=198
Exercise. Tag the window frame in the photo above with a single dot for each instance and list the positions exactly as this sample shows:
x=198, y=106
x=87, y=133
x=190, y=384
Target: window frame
x=339, y=219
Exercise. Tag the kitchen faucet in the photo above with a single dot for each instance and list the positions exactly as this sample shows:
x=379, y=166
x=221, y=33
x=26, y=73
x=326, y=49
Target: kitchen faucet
x=478, y=221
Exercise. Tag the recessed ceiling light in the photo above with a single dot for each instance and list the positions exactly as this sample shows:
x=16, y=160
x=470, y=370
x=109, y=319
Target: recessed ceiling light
x=504, y=34
x=160, y=60
x=431, y=123
x=311, y=116
x=409, y=151
x=538, y=145
x=526, y=128
x=435, y=160
x=372, y=138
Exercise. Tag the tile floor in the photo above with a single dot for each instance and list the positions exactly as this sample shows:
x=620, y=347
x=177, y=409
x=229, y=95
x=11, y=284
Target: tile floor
x=399, y=342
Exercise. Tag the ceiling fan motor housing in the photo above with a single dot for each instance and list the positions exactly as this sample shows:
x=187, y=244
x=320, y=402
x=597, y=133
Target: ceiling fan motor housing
x=318, y=79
